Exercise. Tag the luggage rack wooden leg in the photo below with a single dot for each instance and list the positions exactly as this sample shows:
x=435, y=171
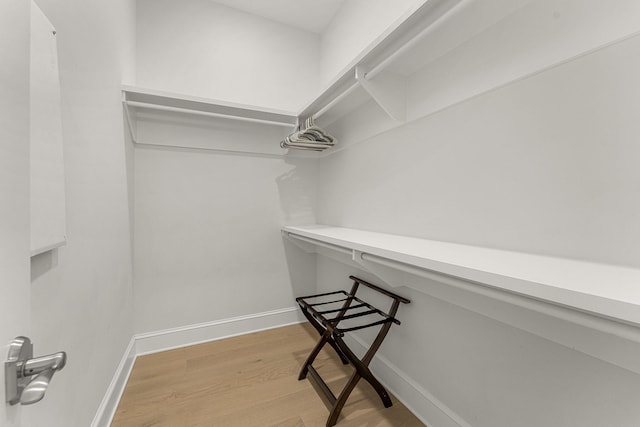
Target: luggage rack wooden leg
x=330, y=333
x=325, y=338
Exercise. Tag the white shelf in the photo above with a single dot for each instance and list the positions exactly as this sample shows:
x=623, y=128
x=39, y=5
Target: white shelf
x=145, y=109
x=381, y=72
x=156, y=99
x=396, y=41
x=361, y=81
x=604, y=290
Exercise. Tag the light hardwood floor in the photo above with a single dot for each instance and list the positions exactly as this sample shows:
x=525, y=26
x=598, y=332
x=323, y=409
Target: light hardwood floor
x=247, y=381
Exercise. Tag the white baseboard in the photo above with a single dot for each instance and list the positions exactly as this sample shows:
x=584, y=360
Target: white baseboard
x=422, y=403
x=168, y=339
x=109, y=403
x=153, y=342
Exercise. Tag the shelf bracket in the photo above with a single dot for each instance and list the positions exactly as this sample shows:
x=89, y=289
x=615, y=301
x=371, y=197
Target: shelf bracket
x=127, y=116
x=388, y=91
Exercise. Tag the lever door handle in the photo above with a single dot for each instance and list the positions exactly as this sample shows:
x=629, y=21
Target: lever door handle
x=35, y=366
x=27, y=378
x=34, y=391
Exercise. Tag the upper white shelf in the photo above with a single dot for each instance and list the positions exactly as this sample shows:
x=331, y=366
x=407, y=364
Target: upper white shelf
x=605, y=290
x=356, y=84
x=166, y=101
x=360, y=75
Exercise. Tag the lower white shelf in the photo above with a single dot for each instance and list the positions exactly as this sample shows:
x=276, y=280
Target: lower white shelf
x=587, y=307
x=603, y=290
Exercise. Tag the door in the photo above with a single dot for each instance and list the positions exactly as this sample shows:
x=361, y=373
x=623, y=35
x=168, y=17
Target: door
x=14, y=187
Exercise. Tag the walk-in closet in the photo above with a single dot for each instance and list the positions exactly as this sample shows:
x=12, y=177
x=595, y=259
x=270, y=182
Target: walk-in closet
x=297, y=213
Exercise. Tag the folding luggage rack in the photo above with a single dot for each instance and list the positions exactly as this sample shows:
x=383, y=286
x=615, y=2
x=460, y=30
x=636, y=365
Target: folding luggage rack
x=330, y=333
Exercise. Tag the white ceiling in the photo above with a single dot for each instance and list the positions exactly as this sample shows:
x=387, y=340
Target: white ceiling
x=310, y=15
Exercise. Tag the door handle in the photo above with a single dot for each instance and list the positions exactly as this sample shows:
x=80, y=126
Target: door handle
x=26, y=378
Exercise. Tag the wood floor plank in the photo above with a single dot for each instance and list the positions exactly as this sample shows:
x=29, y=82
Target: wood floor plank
x=247, y=381
x=291, y=422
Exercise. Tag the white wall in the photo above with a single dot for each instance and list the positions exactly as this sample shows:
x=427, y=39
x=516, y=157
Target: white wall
x=207, y=235
x=82, y=299
x=207, y=240
x=356, y=25
x=14, y=186
x=544, y=164
x=205, y=49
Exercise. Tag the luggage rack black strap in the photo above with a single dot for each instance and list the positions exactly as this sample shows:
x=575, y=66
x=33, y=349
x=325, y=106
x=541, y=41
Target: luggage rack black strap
x=319, y=315
x=322, y=295
x=335, y=310
x=329, y=302
x=340, y=331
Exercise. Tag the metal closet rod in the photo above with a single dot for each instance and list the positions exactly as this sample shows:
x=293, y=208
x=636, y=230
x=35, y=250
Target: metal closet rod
x=336, y=100
x=319, y=243
x=413, y=40
x=206, y=113
x=134, y=139
x=400, y=51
